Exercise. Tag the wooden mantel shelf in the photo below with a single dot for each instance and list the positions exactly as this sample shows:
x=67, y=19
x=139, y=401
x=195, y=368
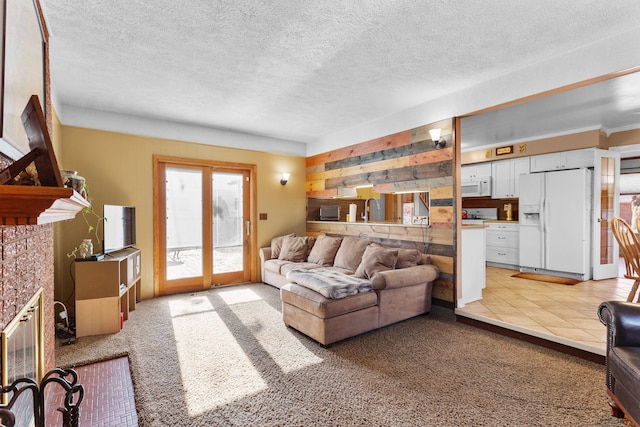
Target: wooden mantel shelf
x=32, y=205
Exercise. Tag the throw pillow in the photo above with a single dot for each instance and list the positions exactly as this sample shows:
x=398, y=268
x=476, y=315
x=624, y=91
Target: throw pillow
x=293, y=249
x=350, y=253
x=276, y=245
x=311, y=241
x=324, y=250
x=408, y=258
x=375, y=259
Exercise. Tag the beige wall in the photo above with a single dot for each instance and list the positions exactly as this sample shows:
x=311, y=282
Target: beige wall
x=119, y=170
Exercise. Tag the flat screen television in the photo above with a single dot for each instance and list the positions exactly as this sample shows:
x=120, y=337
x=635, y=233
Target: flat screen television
x=119, y=228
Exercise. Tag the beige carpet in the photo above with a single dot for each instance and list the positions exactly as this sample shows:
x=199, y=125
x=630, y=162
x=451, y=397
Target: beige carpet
x=547, y=278
x=224, y=358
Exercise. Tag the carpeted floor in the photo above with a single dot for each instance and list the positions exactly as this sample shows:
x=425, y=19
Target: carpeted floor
x=224, y=358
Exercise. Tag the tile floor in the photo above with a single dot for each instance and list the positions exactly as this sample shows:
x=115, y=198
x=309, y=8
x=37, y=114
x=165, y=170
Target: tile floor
x=108, y=399
x=560, y=313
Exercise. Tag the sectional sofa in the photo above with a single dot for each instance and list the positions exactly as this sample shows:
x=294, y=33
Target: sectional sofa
x=384, y=284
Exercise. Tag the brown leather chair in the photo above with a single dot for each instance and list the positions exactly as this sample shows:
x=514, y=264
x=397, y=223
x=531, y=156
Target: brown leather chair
x=622, y=320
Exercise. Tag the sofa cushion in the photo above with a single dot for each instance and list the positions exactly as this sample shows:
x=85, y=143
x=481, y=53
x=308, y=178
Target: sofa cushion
x=324, y=251
x=276, y=245
x=275, y=265
x=375, y=259
x=350, y=253
x=294, y=248
x=325, y=308
x=408, y=258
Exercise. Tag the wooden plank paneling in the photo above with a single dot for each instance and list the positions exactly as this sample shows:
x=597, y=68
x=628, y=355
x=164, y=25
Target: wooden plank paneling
x=324, y=193
x=444, y=263
x=371, y=146
x=431, y=156
x=315, y=185
x=432, y=170
x=414, y=149
x=428, y=184
x=442, y=192
x=360, y=169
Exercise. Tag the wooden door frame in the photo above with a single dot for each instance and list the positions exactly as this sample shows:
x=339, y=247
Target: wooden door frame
x=157, y=203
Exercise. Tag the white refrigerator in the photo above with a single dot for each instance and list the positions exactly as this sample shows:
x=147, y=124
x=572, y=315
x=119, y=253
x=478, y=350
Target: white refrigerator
x=555, y=223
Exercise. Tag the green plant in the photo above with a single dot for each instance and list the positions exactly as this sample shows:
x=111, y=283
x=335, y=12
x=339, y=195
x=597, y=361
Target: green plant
x=92, y=219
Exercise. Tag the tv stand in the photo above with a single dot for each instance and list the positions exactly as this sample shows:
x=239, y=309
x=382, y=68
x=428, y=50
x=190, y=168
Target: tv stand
x=106, y=291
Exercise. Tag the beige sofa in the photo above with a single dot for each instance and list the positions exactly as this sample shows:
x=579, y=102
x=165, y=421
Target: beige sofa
x=401, y=282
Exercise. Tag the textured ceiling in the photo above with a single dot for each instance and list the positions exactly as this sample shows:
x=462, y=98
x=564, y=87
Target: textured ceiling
x=299, y=70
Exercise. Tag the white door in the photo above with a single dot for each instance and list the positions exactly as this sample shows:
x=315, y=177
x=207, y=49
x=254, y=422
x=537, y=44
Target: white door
x=606, y=185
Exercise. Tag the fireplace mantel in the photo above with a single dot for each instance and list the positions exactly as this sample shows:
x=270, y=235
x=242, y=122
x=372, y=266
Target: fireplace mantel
x=34, y=205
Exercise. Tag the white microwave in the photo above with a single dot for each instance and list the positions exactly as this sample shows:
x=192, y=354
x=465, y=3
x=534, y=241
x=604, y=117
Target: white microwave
x=477, y=187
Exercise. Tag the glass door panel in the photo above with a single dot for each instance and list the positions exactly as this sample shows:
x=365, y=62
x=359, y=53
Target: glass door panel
x=183, y=213
x=228, y=222
x=606, y=185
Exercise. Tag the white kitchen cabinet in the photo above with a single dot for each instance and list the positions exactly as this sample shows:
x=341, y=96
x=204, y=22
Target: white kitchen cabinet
x=477, y=170
x=503, y=243
x=573, y=159
x=505, y=176
x=473, y=265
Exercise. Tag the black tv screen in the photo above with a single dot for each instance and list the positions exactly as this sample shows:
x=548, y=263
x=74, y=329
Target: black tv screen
x=119, y=227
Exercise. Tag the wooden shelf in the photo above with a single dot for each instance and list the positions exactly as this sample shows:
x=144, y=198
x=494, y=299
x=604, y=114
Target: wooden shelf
x=33, y=205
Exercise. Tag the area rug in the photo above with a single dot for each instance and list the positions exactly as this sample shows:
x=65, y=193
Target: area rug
x=547, y=278
x=223, y=357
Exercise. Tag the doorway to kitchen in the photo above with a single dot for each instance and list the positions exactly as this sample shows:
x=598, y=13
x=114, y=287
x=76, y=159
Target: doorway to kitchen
x=203, y=224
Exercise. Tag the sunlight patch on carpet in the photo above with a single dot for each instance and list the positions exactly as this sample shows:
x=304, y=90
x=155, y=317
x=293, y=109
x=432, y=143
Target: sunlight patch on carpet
x=238, y=296
x=192, y=305
x=214, y=368
x=283, y=347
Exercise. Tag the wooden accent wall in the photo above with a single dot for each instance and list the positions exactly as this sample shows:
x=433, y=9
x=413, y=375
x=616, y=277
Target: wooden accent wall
x=404, y=161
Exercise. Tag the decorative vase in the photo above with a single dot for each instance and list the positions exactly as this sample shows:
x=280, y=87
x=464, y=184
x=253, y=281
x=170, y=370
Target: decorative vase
x=86, y=248
x=71, y=179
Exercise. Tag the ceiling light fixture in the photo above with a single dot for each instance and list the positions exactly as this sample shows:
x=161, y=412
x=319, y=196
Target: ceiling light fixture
x=435, y=137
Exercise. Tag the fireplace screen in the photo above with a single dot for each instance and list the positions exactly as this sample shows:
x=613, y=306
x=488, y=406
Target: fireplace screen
x=23, y=353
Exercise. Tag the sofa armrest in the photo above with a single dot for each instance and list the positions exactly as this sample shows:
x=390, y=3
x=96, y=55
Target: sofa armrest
x=265, y=254
x=622, y=320
x=400, y=278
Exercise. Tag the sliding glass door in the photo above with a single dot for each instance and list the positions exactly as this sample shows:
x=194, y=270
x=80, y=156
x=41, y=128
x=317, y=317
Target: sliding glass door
x=204, y=225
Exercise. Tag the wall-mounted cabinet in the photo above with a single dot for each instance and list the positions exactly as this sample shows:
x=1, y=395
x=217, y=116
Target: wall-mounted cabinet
x=564, y=160
x=477, y=170
x=505, y=175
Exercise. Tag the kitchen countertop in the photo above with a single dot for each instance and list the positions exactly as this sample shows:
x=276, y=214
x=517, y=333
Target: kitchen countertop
x=385, y=223
x=502, y=220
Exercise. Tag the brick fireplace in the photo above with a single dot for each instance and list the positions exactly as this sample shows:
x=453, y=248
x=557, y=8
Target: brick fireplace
x=26, y=264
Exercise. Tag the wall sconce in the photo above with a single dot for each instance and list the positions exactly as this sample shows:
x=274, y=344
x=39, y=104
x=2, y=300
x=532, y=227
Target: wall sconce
x=435, y=137
x=285, y=178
